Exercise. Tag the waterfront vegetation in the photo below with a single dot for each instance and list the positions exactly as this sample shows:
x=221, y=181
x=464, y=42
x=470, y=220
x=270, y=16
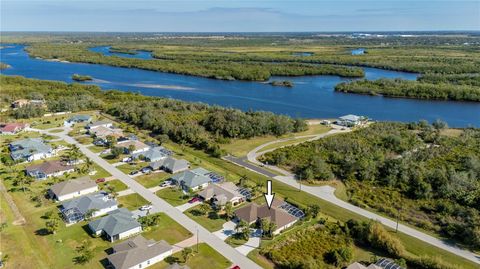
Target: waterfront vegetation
x=410, y=171
x=80, y=78
x=284, y=83
x=457, y=91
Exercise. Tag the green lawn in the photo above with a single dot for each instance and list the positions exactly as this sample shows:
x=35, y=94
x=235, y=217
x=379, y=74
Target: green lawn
x=153, y=179
x=96, y=149
x=85, y=140
x=109, y=158
x=132, y=201
x=209, y=221
x=235, y=242
x=240, y=147
x=56, y=131
x=101, y=173
x=206, y=257
x=116, y=184
x=173, y=196
x=168, y=230
x=127, y=168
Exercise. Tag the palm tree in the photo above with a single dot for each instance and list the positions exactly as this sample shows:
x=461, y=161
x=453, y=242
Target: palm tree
x=52, y=225
x=186, y=253
x=88, y=165
x=228, y=210
x=204, y=208
x=243, y=179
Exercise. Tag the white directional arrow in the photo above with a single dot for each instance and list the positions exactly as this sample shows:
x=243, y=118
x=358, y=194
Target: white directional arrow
x=269, y=195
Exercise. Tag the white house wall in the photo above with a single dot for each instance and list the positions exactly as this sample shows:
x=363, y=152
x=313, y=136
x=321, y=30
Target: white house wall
x=152, y=261
x=77, y=194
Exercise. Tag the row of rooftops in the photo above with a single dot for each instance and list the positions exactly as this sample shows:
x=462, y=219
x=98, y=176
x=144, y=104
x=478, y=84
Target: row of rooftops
x=25, y=148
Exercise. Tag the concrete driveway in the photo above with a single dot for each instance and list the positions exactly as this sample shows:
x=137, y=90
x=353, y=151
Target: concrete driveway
x=187, y=206
x=252, y=243
x=228, y=230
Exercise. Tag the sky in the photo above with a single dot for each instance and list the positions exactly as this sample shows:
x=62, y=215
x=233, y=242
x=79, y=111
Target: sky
x=238, y=15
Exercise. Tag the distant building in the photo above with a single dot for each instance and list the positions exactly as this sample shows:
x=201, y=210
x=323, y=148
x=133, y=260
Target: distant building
x=153, y=154
x=138, y=146
x=12, y=128
x=351, y=120
x=192, y=179
x=170, y=165
x=97, y=124
x=77, y=119
x=139, y=252
x=119, y=224
x=23, y=102
x=48, y=169
x=222, y=193
x=72, y=188
x=30, y=149
x=98, y=204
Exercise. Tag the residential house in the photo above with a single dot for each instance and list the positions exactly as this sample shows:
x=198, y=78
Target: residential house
x=23, y=102
x=170, y=165
x=94, y=125
x=382, y=263
x=99, y=203
x=153, y=154
x=222, y=193
x=77, y=119
x=138, y=252
x=253, y=213
x=12, y=128
x=48, y=169
x=192, y=179
x=138, y=146
x=30, y=149
x=119, y=224
x=351, y=120
x=73, y=188
x=103, y=132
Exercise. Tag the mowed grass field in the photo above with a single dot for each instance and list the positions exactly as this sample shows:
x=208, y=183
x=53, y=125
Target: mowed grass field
x=240, y=147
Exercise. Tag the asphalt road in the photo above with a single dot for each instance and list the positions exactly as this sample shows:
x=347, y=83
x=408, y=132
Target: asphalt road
x=160, y=205
x=327, y=193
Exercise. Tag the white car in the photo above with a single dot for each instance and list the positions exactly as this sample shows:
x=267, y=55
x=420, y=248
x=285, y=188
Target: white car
x=146, y=207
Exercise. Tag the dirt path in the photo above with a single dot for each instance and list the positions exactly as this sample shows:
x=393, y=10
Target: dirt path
x=19, y=219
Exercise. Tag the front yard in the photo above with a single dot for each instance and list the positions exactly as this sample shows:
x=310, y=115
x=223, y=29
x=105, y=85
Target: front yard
x=173, y=196
x=168, y=230
x=116, y=184
x=210, y=221
x=152, y=179
x=132, y=201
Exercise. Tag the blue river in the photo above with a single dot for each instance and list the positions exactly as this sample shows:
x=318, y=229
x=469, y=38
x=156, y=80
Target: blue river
x=311, y=97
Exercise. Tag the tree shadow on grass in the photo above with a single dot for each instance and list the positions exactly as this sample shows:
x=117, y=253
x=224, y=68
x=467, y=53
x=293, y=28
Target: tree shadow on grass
x=42, y=232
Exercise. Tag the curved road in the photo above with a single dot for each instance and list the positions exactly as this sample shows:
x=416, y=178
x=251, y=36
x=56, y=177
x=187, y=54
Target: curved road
x=327, y=193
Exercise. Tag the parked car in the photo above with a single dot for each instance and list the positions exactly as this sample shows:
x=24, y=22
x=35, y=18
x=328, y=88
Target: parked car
x=194, y=200
x=133, y=173
x=100, y=180
x=146, y=207
x=236, y=267
x=146, y=170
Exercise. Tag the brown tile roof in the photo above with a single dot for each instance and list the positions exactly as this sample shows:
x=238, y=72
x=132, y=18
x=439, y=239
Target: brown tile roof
x=12, y=127
x=252, y=212
x=50, y=167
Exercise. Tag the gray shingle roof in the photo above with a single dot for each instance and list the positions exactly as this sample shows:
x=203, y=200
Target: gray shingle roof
x=73, y=185
x=98, y=200
x=191, y=179
x=79, y=118
x=117, y=222
x=170, y=164
x=135, y=251
x=153, y=154
x=26, y=147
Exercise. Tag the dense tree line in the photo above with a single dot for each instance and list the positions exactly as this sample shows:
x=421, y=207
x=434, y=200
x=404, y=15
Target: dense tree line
x=198, y=124
x=407, y=170
x=412, y=89
x=457, y=79
x=201, y=125
x=229, y=70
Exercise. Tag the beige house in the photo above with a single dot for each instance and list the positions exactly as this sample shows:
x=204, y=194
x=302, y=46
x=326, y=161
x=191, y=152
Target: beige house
x=72, y=188
x=222, y=193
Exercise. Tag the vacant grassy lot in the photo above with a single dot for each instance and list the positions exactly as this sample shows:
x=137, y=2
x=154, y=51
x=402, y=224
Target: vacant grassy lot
x=85, y=140
x=96, y=149
x=132, y=201
x=206, y=257
x=128, y=168
x=116, y=184
x=153, y=179
x=211, y=221
x=173, y=196
x=240, y=147
x=168, y=230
